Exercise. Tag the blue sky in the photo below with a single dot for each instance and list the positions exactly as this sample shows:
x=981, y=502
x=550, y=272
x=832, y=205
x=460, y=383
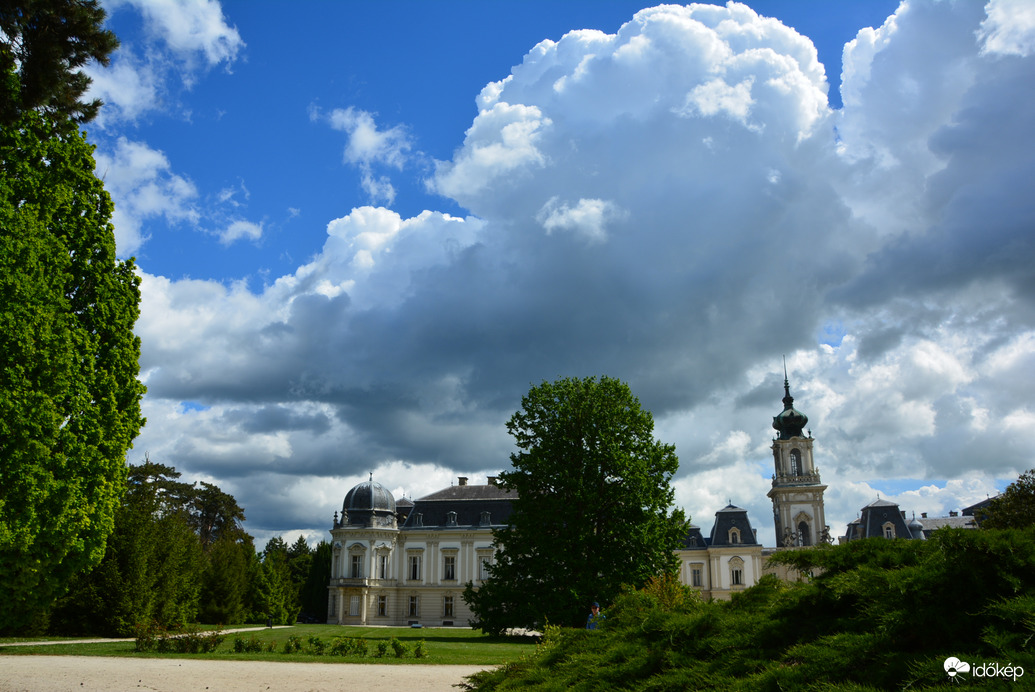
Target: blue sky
x=365, y=229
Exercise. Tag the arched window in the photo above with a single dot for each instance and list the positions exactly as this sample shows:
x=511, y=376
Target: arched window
x=804, y=534
x=734, y=535
x=736, y=572
x=795, y=462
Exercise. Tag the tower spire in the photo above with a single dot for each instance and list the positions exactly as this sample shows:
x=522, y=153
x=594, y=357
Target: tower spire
x=788, y=400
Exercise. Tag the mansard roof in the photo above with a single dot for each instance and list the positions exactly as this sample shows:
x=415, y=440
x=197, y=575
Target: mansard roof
x=732, y=517
x=874, y=517
x=694, y=539
x=473, y=505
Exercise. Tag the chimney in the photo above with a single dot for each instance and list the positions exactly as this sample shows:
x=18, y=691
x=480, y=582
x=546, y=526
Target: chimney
x=903, y=513
x=953, y=514
x=462, y=480
x=923, y=515
x=492, y=480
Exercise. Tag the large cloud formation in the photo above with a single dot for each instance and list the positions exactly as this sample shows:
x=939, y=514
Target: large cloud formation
x=675, y=205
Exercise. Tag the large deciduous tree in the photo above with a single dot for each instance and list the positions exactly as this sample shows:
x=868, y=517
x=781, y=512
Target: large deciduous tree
x=69, y=394
x=1015, y=508
x=593, y=508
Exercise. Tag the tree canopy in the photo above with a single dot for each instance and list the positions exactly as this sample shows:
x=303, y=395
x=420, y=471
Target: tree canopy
x=879, y=615
x=69, y=394
x=1015, y=508
x=593, y=508
x=43, y=45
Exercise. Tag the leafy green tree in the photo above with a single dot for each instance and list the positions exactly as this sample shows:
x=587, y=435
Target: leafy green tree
x=69, y=394
x=43, y=45
x=1015, y=508
x=593, y=508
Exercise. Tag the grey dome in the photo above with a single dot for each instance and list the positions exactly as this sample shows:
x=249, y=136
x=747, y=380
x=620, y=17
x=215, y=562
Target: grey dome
x=366, y=501
x=369, y=495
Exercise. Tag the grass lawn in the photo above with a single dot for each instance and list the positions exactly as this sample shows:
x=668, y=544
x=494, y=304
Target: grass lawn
x=443, y=645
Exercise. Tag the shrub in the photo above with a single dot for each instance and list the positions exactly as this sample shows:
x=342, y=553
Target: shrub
x=382, y=649
x=398, y=647
x=293, y=645
x=146, y=634
x=420, y=650
x=316, y=646
x=251, y=646
x=345, y=646
x=151, y=637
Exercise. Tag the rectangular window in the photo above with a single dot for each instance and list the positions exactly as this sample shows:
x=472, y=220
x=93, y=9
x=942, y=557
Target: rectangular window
x=695, y=576
x=354, y=605
x=449, y=568
x=357, y=567
x=414, y=567
x=736, y=577
x=414, y=606
x=447, y=606
x=383, y=566
x=382, y=606
x=483, y=570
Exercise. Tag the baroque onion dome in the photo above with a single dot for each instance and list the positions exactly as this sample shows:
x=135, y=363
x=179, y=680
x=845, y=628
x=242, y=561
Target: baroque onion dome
x=790, y=422
x=368, y=504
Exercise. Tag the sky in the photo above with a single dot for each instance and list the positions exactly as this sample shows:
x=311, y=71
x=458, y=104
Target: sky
x=366, y=229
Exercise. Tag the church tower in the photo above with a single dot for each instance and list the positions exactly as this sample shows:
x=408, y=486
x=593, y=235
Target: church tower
x=797, y=493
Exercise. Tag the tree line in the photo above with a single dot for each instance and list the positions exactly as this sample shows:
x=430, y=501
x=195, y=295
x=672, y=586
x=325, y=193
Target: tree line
x=869, y=615
x=179, y=555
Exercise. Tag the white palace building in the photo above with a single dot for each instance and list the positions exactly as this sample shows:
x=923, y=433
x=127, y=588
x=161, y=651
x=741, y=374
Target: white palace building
x=404, y=563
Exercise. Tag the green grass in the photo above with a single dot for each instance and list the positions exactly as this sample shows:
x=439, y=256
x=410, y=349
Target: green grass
x=444, y=646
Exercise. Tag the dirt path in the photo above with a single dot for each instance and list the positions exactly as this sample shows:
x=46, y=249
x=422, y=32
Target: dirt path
x=103, y=674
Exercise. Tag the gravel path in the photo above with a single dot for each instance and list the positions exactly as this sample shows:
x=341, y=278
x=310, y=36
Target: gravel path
x=103, y=674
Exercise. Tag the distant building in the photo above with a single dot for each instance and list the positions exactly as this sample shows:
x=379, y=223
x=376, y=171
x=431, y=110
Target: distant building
x=406, y=562
x=400, y=563
x=884, y=519
x=730, y=560
x=797, y=493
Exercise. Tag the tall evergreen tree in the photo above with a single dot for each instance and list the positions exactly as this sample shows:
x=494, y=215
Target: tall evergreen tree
x=314, y=596
x=593, y=508
x=230, y=569
x=151, y=569
x=43, y=46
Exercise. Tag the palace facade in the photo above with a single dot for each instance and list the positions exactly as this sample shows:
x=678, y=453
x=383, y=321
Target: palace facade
x=406, y=563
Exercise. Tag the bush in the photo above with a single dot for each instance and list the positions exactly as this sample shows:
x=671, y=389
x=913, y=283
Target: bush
x=345, y=646
x=146, y=634
x=293, y=645
x=420, y=650
x=382, y=649
x=252, y=646
x=151, y=637
x=398, y=647
x=316, y=646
